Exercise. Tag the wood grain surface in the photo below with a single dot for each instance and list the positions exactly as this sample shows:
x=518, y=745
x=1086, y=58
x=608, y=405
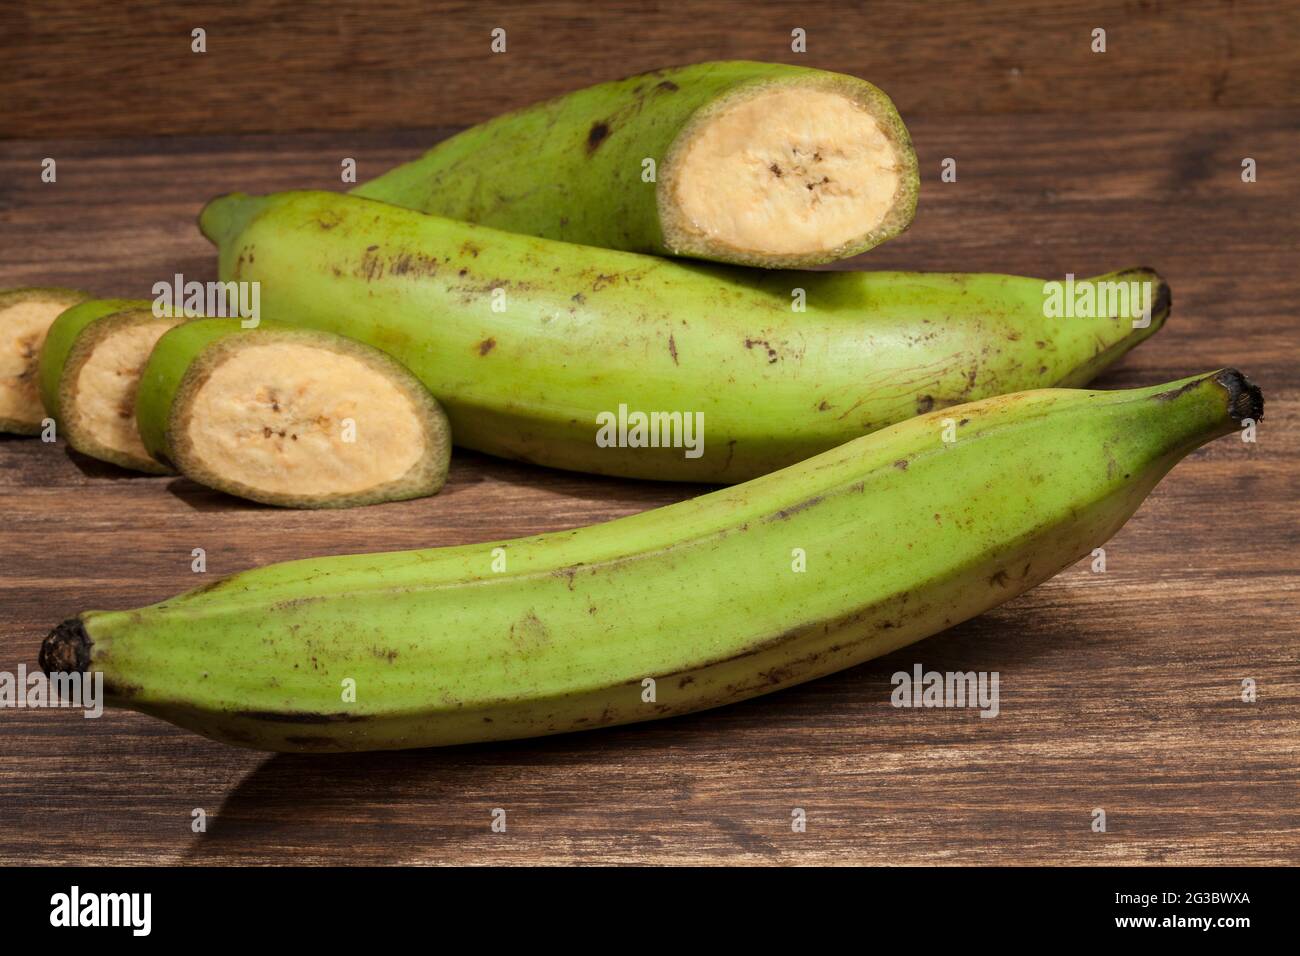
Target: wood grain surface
x=1119, y=690
x=85, y=68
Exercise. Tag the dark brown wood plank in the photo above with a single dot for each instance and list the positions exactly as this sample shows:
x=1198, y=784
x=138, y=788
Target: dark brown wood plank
x=1119, y=690
x=75, y=67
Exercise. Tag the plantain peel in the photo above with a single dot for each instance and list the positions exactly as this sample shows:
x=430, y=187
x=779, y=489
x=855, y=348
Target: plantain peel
x=290, y=417
x=903, y=533
x=25, y=317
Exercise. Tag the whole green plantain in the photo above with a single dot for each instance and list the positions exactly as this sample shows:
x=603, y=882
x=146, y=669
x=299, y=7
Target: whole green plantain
x=833, y=561
x=533, y=346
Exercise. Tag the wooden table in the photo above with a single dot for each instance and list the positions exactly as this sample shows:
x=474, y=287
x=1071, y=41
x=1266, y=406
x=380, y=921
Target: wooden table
x=1120, y=691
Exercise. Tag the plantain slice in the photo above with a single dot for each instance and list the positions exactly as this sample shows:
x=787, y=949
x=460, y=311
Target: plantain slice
x=905, y=534
x=789, y=174
x=291, y=417
x=89, y=371
x=25, y=316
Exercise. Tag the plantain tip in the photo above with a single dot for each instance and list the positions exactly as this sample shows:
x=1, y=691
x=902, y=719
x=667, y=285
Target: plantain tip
x=1162, y=300
x=66, y=649
x=1245, y=400
x=223, y=217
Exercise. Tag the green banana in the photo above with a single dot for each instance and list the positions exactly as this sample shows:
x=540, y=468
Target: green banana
x=290, y=416
x=25, y=317
x=759, y=164
x=537, y=348
x=89, y=369
x=901, y=534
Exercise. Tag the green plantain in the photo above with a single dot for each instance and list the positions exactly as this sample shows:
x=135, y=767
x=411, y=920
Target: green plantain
x=899, y=535
x=532, y=346
x=761, y=164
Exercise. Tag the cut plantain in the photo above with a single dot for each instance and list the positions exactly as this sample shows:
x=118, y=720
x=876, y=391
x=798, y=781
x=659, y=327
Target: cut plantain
x=756, y=164
x=89, y=370
x=291, y=417
x=25, y=316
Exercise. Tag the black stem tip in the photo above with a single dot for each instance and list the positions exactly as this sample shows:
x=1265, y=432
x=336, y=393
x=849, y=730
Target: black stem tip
x=1245, y=400
x=66, y=649
x=1163, y=301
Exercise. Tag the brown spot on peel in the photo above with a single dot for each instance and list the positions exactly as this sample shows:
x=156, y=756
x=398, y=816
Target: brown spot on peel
x=772, y=355
x=785, y=513
x=599, y=131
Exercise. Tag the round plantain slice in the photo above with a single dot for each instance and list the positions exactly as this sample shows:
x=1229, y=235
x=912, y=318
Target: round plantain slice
x=291, y=417
x=89, y=371
x=25, y=317
x=789, y=173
